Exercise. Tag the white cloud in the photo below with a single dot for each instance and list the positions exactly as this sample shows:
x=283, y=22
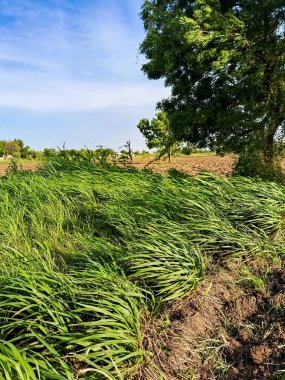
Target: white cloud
x=67, y=58
x=81, y=96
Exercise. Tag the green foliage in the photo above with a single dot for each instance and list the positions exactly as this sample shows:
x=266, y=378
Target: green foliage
x=158, y=133
x=86, y=249
x=104, y=156
x=252, y=164
x=12, y=148
x=101, y=156
x=49, y=152
x=76, y=323
x=187, y=150
x=126, y=157
x=168, y=268
x=14, y=166
x=25, y=152
x=248, y=278
x=143, y=153
x=224, y=61
x=17, y=150
x=2, y=147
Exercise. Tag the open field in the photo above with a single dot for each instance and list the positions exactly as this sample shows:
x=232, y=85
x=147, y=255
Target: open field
x=189, y=164
x=110, y=273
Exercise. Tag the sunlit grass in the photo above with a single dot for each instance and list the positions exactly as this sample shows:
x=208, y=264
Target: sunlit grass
x=85, y=250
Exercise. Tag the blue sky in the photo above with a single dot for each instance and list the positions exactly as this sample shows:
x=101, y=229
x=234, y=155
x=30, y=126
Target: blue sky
x=70, y=72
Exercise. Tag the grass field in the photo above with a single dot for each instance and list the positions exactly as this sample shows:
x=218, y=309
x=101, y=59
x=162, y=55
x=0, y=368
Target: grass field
x=94, y=259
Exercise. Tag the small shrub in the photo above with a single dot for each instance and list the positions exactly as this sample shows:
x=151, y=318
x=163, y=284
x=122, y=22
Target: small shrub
x=252, y=164
x=187, y=150
x=14, y=166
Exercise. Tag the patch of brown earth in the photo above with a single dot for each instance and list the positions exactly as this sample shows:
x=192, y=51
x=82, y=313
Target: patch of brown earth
x=191, y=165
x=24, y=166
x=221, y=331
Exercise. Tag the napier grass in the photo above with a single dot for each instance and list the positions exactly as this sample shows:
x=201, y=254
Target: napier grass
x=88, y=252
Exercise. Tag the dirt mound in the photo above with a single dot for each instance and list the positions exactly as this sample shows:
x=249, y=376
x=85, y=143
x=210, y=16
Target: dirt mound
x=226, y=330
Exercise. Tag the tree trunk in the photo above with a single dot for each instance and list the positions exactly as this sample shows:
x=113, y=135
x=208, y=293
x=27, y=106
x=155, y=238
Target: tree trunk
x=169, y=154
x=276, y=121
x=268, y=151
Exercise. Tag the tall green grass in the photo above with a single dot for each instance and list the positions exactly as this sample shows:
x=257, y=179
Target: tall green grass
x=85, y=250
x=83, y=322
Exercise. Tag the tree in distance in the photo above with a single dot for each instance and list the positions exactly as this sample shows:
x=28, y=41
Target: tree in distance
x=225, y=63
x=12, y=148
x=126, y=157
x=157, y=133
x=16, y=149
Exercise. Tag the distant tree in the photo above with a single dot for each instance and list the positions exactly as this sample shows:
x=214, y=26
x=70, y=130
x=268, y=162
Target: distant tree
x=49, y=152
x=104, y=156
x=145, y=153
x=157, y=133
x=126, y=153
x=224, y=61
x=13, y=148
x=20, y=143
x=2, y=147
x=187, y=150
x=25, y=152
x=34, y=154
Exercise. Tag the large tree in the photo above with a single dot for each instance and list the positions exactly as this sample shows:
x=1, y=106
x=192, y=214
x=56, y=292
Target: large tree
x=225, y=63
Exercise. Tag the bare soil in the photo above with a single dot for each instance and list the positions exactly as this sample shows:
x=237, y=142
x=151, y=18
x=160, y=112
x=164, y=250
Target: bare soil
x=24, y=166
x=191, y=165
x=222, y=331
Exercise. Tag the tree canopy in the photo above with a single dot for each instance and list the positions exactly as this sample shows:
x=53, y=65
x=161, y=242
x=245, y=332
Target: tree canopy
x=225, y=63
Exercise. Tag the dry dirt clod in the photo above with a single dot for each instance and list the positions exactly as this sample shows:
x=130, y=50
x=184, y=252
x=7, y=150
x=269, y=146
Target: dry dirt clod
x=260, y=354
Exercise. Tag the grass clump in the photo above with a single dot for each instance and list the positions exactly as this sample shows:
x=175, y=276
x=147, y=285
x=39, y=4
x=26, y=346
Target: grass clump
x=85, y=322
x=169, y=269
